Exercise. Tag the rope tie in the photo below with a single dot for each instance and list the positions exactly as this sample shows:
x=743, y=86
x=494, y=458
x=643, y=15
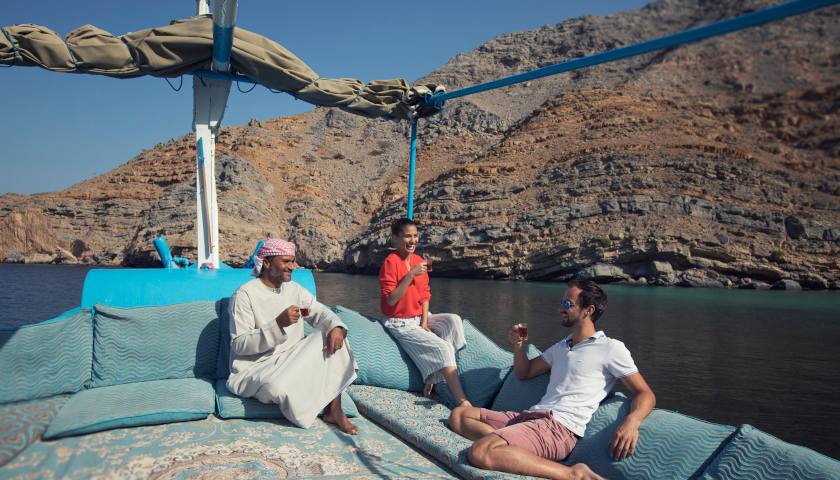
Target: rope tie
x=75, y=66
x=14, y=49
x=360, y=92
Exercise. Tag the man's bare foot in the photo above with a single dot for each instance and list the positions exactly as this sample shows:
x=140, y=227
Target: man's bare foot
x=336, y=416
x=583, y=472
x=427, y=390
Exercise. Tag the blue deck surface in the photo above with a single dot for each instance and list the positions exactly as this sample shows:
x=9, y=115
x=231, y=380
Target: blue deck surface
x=164, y=286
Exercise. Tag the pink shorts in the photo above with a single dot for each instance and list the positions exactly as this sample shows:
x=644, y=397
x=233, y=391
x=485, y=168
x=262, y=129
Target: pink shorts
x=537, y=432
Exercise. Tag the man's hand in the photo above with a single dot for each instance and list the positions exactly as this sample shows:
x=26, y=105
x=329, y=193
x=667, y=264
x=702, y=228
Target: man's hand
x=288, y=316
x=513, y=336
x=335, y=340
x=623, y=443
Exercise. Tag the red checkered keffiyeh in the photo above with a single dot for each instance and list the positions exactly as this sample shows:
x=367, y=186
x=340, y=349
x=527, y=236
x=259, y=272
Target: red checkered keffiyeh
x=274, y=246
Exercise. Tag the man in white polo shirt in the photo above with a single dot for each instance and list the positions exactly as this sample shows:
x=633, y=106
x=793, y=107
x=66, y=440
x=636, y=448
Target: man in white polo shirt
x=584, y=367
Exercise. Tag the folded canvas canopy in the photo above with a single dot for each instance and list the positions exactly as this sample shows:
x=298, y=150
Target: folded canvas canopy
x=186, y=46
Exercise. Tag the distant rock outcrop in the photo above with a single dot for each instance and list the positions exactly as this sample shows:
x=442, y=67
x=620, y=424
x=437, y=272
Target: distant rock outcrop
x=716, y=164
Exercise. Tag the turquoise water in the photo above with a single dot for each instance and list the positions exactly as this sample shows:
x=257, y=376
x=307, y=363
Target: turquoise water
x=766, y=358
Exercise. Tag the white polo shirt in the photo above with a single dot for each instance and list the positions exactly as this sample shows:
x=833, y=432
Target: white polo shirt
x=582, y=376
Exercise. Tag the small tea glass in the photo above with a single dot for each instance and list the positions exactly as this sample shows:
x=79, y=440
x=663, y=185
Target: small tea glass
x=523, y=330
x=304, y=312
x=428, y=264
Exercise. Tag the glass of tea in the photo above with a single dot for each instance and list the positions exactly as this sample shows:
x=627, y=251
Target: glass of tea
x=523, y=330
x=304, y=312
x=428, y=264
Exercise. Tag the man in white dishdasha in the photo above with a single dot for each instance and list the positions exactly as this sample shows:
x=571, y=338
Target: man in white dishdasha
x=584, y=367
x=271, y=360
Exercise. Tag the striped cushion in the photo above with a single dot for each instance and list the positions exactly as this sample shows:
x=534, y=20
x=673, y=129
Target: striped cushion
x=518, y=395
x=134, y=404
x=670, y=445
x=22, y=424
x=482, y=366
x=233, y=406
x=47, y=358
x=755, y=454
x=381, y=361
x=154, y=343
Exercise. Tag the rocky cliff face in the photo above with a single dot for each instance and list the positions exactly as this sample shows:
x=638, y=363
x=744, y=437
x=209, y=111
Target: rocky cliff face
x=714, y=164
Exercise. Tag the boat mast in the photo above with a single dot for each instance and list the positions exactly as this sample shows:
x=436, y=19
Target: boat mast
x=209, y=101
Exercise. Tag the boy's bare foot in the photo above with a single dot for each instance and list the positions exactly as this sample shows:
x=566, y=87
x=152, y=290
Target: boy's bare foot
x=427, y=390
x=336, y=416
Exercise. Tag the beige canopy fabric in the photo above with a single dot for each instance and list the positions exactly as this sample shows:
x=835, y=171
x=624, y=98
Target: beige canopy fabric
x=187, y=45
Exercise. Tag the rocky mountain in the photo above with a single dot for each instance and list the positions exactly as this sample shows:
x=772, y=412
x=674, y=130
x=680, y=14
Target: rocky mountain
x=714, y=164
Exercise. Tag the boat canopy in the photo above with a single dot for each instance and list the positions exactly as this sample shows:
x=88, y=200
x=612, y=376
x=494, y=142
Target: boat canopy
x=186, y=47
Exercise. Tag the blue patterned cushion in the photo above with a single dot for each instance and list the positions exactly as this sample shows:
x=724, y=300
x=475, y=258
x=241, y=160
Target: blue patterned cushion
x=154, y=343
x=233, y=406
x=755, y=454
x=482, y=366
x=381, y=361
x=670, y=445
x=518, y=395
x=134, y=404
x=22, y=424
x=47, y=358
x=423, y=423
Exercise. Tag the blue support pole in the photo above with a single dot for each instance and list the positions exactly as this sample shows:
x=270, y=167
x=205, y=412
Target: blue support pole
x=411, y=169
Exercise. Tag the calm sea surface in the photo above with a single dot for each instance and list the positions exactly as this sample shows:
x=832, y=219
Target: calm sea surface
x=768, y=359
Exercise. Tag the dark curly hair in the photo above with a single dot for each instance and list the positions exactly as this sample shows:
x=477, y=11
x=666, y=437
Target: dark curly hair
x=590, y=294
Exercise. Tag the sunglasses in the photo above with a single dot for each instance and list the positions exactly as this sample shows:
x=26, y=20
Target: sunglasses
x=567, y=304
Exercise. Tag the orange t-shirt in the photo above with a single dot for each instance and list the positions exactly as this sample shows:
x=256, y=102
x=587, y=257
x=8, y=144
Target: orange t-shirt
x=391, y=273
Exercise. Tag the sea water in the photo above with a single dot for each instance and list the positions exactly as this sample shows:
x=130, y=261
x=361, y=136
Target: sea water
x=764, y=358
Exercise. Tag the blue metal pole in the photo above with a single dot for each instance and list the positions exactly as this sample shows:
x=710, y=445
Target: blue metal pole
x=163, y=251
x=766, y=15
x=411, y=169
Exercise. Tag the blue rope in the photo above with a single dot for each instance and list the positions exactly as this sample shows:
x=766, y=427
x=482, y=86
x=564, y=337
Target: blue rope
x=179, y=86
x=360, y=92
x=760, y=17
x=75, y=67
x=14, y=49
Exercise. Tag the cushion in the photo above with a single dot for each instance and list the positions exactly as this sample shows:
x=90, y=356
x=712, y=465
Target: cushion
x=482, y=365
x=670, y=445
x=517, y=395
x=22, y=424
x=755, y=454
x=134, y=404
x=47, y=358
x=147, y=343
x=423, y=423
x=233, y=406
x=381, y=361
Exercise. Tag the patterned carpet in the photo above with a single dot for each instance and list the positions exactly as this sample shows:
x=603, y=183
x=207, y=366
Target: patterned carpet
x=223, y=449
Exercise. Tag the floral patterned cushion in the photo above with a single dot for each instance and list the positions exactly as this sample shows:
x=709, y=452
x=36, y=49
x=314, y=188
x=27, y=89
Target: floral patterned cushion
x=22, y=424
x=423, y=423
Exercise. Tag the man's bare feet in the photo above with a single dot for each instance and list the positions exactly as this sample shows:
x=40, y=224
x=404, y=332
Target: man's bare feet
x=583, y=472
x=427, y=390
x=336, y=416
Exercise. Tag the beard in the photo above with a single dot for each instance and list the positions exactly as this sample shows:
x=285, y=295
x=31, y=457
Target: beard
x=276, y=274
x=567, y=321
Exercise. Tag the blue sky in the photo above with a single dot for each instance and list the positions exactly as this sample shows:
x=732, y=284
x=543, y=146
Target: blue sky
x=59, y=129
